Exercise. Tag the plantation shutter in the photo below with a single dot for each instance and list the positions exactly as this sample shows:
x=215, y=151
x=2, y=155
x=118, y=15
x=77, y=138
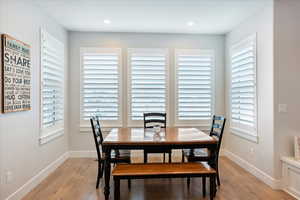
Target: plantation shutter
x=194, y=74
x=147, y=81
x=100, y=84
x=243, y=86
x=52, y=75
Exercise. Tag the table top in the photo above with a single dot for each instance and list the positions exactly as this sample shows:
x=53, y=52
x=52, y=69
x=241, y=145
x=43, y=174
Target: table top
x=136, y=136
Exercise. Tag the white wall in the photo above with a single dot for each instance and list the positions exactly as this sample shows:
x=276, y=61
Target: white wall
x=287, y=73
x=20, y=151
x=83, y=141
x=262, y=156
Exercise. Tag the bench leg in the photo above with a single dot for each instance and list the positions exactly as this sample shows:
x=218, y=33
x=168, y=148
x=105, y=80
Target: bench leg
x=145, y=156
x=204, y=186
x=117, y=188
x=129, y=183
x=188, y=181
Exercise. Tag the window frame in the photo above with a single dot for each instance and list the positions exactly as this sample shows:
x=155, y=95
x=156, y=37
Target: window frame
x=85, y=124
x=139, y=123
x=48, y=134
x=201, y=123
x=245, y=134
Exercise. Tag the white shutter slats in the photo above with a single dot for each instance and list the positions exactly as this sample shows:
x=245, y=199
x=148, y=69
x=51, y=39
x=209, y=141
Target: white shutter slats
x=52, y=90
x=148, y=82
x=100, y=84
x=194, y=84
x=243, y=86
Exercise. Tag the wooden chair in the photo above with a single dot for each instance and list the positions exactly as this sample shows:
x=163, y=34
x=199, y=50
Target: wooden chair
x=149, y=120
x=116, y=156
x=163, y=170
x=216, y=131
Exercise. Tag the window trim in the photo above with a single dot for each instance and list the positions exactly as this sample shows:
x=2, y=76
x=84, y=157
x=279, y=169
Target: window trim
x=104, y=123
x=50, y=133
x=139, y=123
x=202, y=123
x=251, y=136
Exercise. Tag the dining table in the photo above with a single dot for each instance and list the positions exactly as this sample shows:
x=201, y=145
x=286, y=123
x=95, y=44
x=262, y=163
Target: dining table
x=148, y=138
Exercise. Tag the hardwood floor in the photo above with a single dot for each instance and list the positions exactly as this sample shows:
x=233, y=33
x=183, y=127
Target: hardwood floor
x=75, y=180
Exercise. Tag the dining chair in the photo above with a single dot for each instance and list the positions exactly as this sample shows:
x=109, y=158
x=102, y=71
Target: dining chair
x=116, y=156
x=149, y=120
x=216, y=131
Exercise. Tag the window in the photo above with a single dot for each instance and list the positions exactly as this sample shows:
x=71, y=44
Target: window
x=194, y=83
x=147, y=82
x=243, y=89
x=52, y=87
x=100, y=85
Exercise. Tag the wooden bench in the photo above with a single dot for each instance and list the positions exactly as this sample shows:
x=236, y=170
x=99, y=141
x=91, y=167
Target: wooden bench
x=163, y=170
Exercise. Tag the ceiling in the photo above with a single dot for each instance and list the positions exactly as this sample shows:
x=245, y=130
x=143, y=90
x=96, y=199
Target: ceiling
x=159, y=16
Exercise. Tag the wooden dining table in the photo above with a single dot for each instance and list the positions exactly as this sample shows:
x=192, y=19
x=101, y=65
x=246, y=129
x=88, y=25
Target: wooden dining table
x=140, y=138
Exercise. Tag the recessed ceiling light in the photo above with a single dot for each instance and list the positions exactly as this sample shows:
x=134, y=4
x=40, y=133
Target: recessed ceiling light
x=106, y=21
x=190, y=23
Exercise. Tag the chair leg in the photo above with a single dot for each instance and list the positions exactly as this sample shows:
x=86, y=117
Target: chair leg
x=164, y=157
x=145, y=157
x=102, y=170
x=215, y=186
x=188, y=181
x=218, y=177
x=170, y=157
x=204, y=186
x=211, y=187
x=129, y=183
x=117, y=188
x=100, y=165
x=182, y=156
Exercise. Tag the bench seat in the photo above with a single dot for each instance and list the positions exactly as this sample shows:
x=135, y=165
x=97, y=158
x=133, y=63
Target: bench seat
x=151, y=169
x=163, y=170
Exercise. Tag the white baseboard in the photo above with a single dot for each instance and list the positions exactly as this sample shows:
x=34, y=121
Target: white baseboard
x=83, y=154
x=291, y=176
x=37, y=179
x=267, y=179
x=293, y=193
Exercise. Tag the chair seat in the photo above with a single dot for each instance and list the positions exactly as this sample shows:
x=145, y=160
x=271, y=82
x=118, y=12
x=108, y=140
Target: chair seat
x=122, y=157
x=198, y=154
x=121, y=153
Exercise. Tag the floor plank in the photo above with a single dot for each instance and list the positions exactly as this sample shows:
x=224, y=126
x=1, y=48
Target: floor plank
x=75, y=180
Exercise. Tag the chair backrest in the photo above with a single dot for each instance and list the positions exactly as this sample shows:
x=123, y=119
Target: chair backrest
x=159, y=118
x=98, y=137
x=217, y=129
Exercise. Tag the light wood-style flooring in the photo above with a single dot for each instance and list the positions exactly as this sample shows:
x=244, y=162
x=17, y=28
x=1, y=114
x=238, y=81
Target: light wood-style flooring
x=75, y=180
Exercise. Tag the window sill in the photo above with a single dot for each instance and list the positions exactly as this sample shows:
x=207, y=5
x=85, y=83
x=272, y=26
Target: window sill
x=244, y=134
x=51, y=136
x=206, y=126
x=87, y=129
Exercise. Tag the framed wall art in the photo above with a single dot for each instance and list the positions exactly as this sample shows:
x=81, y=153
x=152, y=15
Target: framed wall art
x=16, y=75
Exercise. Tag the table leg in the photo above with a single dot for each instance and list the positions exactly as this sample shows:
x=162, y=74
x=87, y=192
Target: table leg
x=107, y=154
